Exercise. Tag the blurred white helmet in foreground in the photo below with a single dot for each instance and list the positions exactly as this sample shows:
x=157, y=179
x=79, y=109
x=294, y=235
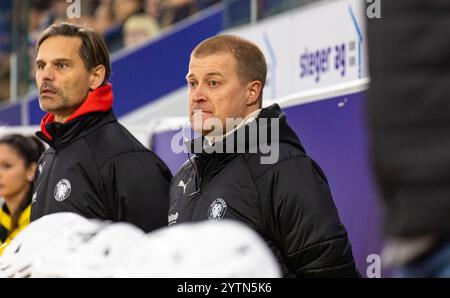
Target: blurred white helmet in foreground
x=206, y=249
x=68, y=245
x=88, y=253
x=32, y=242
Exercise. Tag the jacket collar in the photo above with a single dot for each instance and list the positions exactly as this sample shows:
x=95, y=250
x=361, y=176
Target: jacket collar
x=96, y=109
x=100, y=100
x=284, y=134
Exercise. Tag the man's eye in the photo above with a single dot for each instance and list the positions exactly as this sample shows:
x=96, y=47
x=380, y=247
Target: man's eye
x=61, y=65
x=40, y=66
x=213, y=83
x=192, y=84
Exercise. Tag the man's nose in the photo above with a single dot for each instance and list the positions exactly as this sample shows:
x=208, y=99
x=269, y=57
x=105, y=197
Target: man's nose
x=46, y=74
x=198, y=94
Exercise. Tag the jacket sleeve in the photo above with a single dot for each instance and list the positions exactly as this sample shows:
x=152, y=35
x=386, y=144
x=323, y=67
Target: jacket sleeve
x=307, y=229
x=137, y=189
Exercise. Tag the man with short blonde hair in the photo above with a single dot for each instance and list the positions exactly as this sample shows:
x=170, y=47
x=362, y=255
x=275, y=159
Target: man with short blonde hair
x=287, y=200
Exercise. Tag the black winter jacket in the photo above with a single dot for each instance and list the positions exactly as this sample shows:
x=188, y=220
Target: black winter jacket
x=288, y=202
x=96, y=168
x=409, y=115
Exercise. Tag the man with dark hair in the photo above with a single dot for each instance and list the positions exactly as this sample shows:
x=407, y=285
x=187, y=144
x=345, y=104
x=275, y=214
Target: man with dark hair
x=94, y=166
x=286, y=199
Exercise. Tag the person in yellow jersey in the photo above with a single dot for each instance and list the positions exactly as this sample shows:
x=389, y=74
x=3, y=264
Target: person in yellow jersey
x=19, y=157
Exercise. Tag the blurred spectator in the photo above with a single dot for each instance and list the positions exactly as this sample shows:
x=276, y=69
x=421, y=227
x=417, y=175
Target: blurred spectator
x=40, y=17
x=169, y=12
x=87, y=13
x=43, y=13
x=139, y=28
x=104, y=16
x=153, y=8
x=4, y=83
x=173, y=11
x=123, y=9
x=18, y=162
x=59, y=10
x=5, y=47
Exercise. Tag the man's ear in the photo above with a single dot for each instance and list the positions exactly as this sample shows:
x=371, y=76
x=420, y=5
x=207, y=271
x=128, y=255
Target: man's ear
x=253, y=92
x=97, y=77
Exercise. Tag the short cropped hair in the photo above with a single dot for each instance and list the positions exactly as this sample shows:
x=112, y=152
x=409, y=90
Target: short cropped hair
x=251, y=63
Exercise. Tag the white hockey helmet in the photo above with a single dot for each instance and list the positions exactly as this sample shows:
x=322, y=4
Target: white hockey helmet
x=225, y=249
x=32, y=241
x=88, y=255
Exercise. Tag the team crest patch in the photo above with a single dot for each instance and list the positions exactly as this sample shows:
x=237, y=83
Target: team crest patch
x=217, y=209
x=62, y=190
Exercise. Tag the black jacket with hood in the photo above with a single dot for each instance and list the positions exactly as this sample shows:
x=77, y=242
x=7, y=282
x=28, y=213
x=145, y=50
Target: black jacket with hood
x=96, y=168
x=287, y=202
